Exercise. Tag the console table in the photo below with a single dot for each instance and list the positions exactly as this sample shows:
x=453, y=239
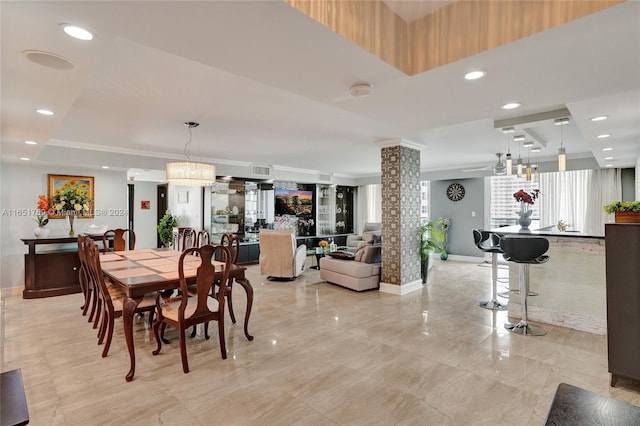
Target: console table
x=52, y=272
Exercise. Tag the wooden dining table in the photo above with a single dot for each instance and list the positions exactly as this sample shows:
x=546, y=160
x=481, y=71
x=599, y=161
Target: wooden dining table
x=140, y=272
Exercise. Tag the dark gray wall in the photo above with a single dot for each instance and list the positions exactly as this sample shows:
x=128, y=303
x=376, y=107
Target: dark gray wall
x=460, y=238
x=628, y=184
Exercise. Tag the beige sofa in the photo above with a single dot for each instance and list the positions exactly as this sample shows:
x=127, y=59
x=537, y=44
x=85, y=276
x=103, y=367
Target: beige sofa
x=361, y=274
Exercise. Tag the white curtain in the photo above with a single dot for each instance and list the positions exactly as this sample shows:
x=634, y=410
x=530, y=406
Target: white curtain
x=577, y=198
x=369, y=205
x=606, y=187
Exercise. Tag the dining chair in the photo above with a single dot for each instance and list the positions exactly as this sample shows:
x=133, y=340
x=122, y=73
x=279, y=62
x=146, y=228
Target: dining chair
x=182, y=312
x=86, y=285
x=120, y=237
x=232, y=242
x=187, y=239
x=204, y=238
x=112, y=300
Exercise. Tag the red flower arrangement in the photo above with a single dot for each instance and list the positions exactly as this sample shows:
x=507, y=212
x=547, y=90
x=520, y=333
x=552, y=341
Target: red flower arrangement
x=43, y=208
x=527, y=197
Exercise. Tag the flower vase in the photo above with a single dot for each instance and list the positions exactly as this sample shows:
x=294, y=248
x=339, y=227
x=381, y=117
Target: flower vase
x=71, y=219
x=524, y=216
x=41, y=232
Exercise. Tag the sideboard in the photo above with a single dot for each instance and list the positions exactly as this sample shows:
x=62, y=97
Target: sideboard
x=51, y=270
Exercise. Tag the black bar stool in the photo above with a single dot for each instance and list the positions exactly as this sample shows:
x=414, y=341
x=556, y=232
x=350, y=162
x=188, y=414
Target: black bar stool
x=489, y=242
x=524, y=251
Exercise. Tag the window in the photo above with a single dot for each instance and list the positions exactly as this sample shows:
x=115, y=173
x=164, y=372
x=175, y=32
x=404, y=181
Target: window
x=503, y=205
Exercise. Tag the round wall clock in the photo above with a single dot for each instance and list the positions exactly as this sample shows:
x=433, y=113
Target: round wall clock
x=455, y=192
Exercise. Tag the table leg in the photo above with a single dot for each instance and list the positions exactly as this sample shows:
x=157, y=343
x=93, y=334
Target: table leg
x=248, y=288
x=128, y=312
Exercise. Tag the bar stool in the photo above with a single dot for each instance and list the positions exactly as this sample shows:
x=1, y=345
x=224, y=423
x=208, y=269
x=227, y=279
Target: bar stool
x=524, y=251
x=489, y=242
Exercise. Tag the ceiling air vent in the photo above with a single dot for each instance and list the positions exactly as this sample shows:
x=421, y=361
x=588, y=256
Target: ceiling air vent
x=262, y=171
x=324, y=177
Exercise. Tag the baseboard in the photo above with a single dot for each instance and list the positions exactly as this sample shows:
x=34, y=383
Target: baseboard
x=10, y=291
x=400, y=290
x=470, y=259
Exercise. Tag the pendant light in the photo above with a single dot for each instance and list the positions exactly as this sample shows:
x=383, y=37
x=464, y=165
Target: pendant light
x=528, y=170
x=190, y=173
x=509, y=161
x=562, y=153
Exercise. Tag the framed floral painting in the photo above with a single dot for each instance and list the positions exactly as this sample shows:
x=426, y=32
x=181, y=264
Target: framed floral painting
x=70, y=195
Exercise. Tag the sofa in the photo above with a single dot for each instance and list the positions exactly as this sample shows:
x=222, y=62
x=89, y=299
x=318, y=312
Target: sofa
x=362, y=272
x=370, y=231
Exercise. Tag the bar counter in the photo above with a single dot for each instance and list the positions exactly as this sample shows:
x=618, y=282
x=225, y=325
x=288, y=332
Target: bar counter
x=571, y=286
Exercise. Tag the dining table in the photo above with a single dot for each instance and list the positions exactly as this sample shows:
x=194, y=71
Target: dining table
x=140, y=272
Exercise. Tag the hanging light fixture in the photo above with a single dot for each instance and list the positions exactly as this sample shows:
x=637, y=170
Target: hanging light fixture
x=499, y=167
x=528, y=170
x=190, y=173
x=562, y=153
x=509, y=161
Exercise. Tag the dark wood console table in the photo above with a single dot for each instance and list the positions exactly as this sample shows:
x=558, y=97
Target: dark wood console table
x=54, y=272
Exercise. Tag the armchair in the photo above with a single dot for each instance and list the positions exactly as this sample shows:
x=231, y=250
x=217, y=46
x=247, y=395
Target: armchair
x=369, y=229
x=279, y=257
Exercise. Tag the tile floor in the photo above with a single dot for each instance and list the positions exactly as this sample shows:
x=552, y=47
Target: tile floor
x=322, y=355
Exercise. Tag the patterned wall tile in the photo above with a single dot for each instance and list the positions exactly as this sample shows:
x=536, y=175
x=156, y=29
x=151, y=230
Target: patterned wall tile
x=400, y=214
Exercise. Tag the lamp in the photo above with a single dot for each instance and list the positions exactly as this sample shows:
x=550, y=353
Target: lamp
x=190, y=173
x=509, y=161
x=528, y=169
x=562, y=153
x=499, y=168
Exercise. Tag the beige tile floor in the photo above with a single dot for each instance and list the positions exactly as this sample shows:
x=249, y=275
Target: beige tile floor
x=322, y=355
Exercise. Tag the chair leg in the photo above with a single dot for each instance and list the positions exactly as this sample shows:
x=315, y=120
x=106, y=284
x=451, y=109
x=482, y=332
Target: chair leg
x=193, y=332
x=88, y=301
x=206, y=331
x=183, y=351
x=223, y=347
x=107, y=344
x=156, y=334
x=523, y=327
x=229, y=294
x=94, y=304
x=102, y=329
x=151, y=314
x=494, y=304
x=98, y=313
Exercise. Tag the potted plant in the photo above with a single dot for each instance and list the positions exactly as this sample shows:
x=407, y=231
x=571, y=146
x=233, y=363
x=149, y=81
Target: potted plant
x=41, y=217
x=625, y=211
x=432, y=239
x=165, y=228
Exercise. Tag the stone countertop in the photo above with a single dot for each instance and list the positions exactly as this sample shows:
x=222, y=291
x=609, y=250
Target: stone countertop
x=548, y=231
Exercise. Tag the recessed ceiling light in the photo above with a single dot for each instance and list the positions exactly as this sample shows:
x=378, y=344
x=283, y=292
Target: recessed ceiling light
x=506, y=130
x=607, y=149
x=604, y=136
x=361, y=89
x=608, y=158
x=599, y=118
x=31, y=142
x=519, y=138
x=105, y=167
x=474, y=75
x=24, y=158
x=511, y=105
x=608, y=165
x=49, y=60
x=77, y=32
x=536, y=149
x=44, y=111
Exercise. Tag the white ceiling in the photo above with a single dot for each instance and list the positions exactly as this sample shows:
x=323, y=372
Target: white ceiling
x=271, y=86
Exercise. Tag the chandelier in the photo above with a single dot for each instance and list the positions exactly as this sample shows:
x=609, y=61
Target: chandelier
x=190, y=173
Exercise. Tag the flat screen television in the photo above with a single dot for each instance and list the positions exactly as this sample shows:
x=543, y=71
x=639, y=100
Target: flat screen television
x=294, y=202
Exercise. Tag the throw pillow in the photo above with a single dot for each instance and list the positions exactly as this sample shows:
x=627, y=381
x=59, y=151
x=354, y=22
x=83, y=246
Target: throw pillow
x=344, y=255
x=368, y=236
